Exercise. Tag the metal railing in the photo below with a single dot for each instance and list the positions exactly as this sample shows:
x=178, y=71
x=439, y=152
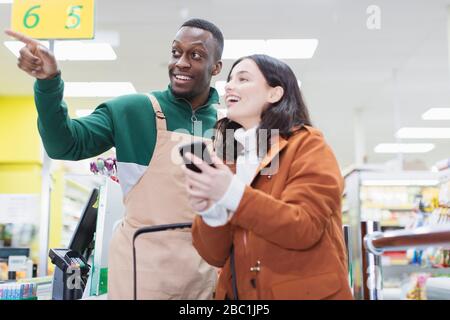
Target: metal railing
x=422, y=237
x=376, y=242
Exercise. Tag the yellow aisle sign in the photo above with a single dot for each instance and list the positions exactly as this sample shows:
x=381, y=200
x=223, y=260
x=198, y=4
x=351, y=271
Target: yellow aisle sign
x=54, y=19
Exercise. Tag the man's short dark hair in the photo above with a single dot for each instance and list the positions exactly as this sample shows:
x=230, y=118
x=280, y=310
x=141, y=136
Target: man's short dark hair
x=208, y=26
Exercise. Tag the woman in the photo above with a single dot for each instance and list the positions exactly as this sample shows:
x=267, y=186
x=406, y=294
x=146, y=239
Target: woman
x=275, y=225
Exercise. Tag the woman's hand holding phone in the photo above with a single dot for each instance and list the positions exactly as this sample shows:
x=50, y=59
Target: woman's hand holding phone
x=210, y=184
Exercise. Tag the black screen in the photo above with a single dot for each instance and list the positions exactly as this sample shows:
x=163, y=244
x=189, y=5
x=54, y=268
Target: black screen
x=84, y=233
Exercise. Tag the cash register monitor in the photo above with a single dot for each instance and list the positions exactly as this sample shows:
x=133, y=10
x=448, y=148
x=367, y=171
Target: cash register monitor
x=77, y=254
x=83, y=238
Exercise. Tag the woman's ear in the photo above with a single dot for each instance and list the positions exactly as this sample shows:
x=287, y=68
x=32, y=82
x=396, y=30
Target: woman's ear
x=275, y=94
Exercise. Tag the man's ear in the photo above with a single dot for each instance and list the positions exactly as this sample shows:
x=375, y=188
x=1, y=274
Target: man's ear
x=275, y=94
x=217, y=68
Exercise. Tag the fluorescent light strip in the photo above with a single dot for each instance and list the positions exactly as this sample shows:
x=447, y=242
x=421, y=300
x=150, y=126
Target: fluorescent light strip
x=429, y=182
x=404, y=147
x=15, y=46
x=234, y=49
x=423, y=133
x=6, y=1
x=77, y=50
x=97, y=89
x=72, y=50
x=220, y=86
x=437, y=114
x=278, y=48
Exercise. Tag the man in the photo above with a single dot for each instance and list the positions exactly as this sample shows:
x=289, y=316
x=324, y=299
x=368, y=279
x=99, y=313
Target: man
x=145, y=131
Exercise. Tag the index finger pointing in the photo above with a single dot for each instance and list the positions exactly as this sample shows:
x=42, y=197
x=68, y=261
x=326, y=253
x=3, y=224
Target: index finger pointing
x=21, y=37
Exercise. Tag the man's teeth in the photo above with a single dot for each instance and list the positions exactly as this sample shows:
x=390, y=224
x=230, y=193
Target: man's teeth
x=186, y=78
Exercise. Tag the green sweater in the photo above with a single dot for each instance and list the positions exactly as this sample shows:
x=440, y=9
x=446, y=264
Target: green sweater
x=126, y=122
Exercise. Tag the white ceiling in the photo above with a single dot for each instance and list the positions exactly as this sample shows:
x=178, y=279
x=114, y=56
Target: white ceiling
x=353, y=67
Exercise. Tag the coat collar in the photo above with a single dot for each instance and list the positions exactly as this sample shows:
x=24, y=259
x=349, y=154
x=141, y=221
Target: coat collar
x=278, y=144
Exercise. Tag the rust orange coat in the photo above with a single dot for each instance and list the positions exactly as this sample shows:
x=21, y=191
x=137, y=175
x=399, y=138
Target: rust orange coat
x=287, y=223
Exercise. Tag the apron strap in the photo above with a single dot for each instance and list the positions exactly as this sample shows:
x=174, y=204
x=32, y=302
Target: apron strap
x=160, y=117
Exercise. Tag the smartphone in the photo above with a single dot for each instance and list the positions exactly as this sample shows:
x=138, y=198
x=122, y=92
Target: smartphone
x=198, y=149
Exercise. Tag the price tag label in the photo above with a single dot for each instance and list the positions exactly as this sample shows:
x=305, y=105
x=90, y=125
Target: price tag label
x=54, y=19
x=16, y=263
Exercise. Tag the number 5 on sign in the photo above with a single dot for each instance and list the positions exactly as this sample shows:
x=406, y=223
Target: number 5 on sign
x=54, y=19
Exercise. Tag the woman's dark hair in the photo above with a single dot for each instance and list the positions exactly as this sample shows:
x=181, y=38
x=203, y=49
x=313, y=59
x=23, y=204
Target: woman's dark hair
x=285, y=115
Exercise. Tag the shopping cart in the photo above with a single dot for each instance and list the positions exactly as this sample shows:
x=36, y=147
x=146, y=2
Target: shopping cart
x=150, y=229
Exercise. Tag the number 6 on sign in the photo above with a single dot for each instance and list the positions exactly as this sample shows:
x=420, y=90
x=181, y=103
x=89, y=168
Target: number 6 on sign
x=28, y=15
x=54, y=19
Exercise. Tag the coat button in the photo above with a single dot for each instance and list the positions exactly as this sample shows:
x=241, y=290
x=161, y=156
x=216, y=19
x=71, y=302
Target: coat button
x=257, y=267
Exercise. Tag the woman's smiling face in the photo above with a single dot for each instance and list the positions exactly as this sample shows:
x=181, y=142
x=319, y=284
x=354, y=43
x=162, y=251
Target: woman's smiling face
x=247, y=94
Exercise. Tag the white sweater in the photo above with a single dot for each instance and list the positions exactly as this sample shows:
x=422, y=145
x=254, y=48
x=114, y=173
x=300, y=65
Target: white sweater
x=246, y=165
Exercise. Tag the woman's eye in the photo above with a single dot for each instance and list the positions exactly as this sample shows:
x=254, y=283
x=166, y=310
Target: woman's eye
x=243, y=79
x=175, y=52
x=195, y=55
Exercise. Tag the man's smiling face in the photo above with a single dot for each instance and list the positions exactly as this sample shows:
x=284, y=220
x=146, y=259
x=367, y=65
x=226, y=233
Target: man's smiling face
x=192, y=63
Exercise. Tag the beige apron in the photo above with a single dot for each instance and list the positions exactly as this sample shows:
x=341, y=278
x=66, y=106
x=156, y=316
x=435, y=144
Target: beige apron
x=168, y=266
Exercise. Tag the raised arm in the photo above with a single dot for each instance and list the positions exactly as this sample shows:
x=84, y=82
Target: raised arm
x=63, y=138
